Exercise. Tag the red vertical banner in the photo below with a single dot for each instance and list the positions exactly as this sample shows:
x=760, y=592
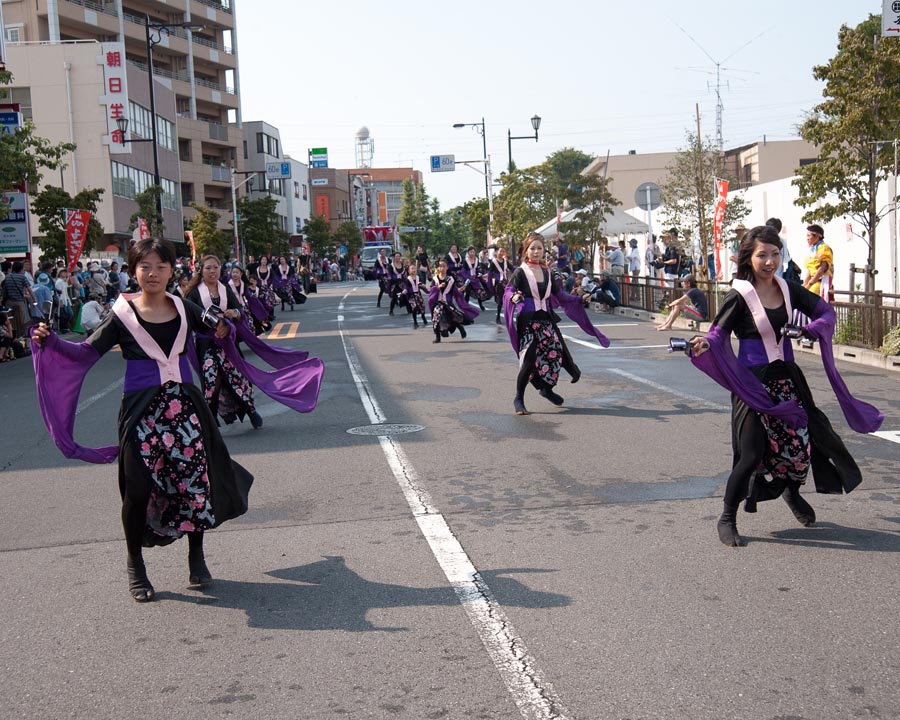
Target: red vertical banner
x=190, y=238
x=76, y=234
x=322, y=206
x=718, y=222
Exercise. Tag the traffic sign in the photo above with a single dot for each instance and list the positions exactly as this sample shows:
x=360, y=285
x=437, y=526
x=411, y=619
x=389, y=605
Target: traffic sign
x=443, y=163
x=646, y=197
x=278, y=170
x=10, y=122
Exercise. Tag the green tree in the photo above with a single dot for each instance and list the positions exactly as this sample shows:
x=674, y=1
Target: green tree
x=558, y=173
x=477, y=215
x=861, y=109
x=23, y=154
x=148, y=203
x=689, y=194
x=415, y=211
x=261, y=227
x=348, y=235
x=50, y=205
x=315, y=230
x=208, y=237
x=519, y=207
x=594, y=202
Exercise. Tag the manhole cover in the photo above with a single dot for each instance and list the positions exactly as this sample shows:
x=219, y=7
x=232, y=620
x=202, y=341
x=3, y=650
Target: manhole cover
x=385, y=429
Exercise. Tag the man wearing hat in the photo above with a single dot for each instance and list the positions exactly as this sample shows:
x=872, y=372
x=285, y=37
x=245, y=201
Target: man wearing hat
x=819, y=264
x=633, y=260
x=606, y=292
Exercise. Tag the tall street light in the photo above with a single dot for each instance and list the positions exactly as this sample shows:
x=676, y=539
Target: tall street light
x=154, y=33
x=535, y=123
x=487, y=190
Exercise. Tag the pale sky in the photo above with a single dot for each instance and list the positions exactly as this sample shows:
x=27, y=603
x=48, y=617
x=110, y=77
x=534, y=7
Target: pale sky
x=604, y=75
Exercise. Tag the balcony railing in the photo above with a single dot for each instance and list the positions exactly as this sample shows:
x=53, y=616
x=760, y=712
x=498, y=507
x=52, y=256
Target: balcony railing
x=200, y=40
x=218, y=131
x=220, y=174
x=213, y=85
x=223, y=5
x=98, y=7
x=162, y=72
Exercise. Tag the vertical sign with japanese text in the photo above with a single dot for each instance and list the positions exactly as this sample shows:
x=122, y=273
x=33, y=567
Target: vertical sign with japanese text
x=76, y=233
x=115, y=94
x=322, y=206
x=718, y=221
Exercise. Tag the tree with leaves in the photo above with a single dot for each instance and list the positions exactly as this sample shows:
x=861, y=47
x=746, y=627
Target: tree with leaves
x=316, y=233
x=520, y=207
x=559, y=174
x=50, y=205
x=23, y=154
x=689, y=195
x=594, y=202
x=348, y=235
x=208, y=237
x=148, y=204
x=861, y=110
x=415, y=211
x=261, y=227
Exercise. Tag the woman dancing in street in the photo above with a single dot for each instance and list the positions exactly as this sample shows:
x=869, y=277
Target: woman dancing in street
x=287, y=286
x=528, y=302
x=777, y=430
x=396, y=281
x=412, y=292
x=381, y=269
x=499, y=270
x=454, y=262
x=175, y=474
x=228, y=393
x=253, y=312
x=471, y=275
x=265, y=285
x=449, y=309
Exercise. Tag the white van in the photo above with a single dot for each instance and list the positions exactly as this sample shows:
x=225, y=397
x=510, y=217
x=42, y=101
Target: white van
x=367, y=258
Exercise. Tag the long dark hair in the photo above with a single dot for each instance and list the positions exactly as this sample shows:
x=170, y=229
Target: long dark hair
x=198, y=276
x=762, y=233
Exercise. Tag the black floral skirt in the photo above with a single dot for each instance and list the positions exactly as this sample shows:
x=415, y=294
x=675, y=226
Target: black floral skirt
x=170, y=445
x=787, y=452
x=224, y=388
x=541, y=348
x=445, y=318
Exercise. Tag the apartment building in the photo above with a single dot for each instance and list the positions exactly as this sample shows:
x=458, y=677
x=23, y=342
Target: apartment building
x=383, y=192
x=195, y=61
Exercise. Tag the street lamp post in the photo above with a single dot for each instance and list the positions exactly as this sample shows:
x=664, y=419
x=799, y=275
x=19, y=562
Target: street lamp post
x=487, y=190
x=154, y=32
x=535, y=123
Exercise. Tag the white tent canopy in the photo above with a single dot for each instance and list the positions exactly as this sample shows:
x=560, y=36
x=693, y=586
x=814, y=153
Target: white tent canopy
x=619, y=222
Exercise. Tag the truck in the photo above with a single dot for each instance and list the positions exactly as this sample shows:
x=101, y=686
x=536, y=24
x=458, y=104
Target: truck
x=376, y=239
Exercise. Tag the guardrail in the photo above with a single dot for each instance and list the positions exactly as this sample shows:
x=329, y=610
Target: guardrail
x=863, y=319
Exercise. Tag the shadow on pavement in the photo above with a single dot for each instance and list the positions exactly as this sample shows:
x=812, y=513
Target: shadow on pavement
x=834, y=537
x=327, y=595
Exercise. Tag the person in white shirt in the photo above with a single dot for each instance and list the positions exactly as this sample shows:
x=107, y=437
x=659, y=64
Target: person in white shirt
x=633, y=260
x=91, y=314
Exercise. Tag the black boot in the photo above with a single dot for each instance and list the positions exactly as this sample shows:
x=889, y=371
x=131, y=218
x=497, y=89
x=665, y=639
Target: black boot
x=462, y=332
x=437, y=337
x=256, y=420
x=551, y=396
x=519, y=405
x=138, y=584
x=415, y=323
x=199, y=573
x=727, y=527
x=802, y=510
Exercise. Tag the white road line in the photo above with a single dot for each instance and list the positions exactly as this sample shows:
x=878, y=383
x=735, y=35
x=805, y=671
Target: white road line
x=533, y=695
x=892, y=435
x=84, y=405
x=595, y=346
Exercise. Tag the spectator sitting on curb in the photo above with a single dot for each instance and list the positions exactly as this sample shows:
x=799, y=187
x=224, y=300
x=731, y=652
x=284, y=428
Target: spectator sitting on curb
x=692, y=304
x=92, y=313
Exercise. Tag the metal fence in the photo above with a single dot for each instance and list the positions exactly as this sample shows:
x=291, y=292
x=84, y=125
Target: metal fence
x=863, y=319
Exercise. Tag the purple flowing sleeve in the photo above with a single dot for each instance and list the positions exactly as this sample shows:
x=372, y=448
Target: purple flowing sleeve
x=257, y=309
x=509, y=314
x=722, y=366
x=574, y=308
x=861, y=416
x=471, y=312
x=293, y=384
x=59, y=370
x=433, y=296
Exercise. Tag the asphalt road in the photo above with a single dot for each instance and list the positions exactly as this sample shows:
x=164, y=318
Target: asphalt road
x=560, y=565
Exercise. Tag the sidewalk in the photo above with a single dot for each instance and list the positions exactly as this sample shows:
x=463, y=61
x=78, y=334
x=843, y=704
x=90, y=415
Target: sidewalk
x=861, y=356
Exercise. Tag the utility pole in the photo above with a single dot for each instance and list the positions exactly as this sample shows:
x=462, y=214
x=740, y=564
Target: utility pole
x=700, y=207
